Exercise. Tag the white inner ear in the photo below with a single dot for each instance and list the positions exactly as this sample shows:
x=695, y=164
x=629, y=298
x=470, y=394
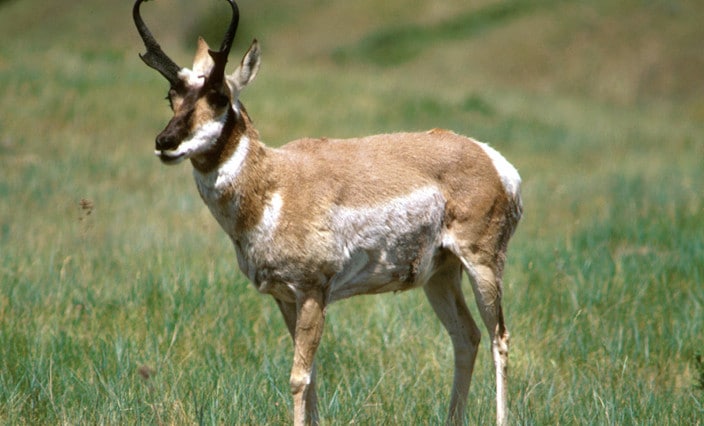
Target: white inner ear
x=246, y=71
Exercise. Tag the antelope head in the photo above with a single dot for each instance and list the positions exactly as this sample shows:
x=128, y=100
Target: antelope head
x=204, y=99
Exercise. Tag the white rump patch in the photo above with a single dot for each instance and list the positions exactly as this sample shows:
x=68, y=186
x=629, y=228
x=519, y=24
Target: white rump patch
x=508, y=174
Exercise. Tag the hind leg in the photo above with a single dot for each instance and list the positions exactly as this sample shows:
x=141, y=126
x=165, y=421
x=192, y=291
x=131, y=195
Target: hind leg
x=486, y=284
x=444, y=292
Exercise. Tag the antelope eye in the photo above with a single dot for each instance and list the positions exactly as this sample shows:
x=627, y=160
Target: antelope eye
x=170, y=97
x=217, y=99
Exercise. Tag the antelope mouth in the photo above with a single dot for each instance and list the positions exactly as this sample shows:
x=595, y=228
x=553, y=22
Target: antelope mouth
x=169, y=157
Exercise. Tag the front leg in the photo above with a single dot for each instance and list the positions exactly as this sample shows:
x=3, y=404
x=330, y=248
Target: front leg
x=305, y=320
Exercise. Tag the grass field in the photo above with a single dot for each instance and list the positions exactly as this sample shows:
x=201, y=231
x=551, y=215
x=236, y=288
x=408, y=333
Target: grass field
x=120, y=300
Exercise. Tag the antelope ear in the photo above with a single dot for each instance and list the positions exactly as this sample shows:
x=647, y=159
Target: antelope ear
x=203, y=63
x=247, y=69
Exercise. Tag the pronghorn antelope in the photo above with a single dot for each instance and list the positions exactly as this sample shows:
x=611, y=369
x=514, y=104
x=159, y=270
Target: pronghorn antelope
x=320, y=220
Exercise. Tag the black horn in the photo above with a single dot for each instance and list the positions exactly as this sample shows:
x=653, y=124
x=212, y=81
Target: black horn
x=155, y=57
x=232, y=29
x=220, y=57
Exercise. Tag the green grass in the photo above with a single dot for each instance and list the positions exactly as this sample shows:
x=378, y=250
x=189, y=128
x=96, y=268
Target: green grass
x=398, y=44
x=120, y=300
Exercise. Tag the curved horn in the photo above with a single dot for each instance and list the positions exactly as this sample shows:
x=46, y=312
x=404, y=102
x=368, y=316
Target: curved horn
x=231, y=30
x=217, y=74
x=155, y=57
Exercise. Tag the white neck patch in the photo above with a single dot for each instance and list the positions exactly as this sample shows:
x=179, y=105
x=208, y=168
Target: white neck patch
x=231, y=168
x=220, y=179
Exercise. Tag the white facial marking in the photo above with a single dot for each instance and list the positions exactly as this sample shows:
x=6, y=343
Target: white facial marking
x=201, y=140
x=508, y=174
x=191, y=78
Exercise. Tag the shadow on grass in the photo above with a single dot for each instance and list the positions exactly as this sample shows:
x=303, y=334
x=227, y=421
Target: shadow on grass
x=699, y=379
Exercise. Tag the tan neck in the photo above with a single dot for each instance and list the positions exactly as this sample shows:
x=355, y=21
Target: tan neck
x=234, y=179
x=237, y=125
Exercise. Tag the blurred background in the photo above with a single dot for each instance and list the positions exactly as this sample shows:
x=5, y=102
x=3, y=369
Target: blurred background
x=120, y=300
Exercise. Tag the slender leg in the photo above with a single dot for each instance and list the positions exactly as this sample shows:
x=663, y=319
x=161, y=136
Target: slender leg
x=289, y=312
x=444, y=292
x=487, y=291
x=310, y=318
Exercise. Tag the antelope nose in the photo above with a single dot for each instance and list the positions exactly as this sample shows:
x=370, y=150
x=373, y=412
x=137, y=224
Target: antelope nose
x=166, y=142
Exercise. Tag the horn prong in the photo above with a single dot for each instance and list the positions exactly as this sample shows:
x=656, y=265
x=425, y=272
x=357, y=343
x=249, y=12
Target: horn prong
x=154, y=57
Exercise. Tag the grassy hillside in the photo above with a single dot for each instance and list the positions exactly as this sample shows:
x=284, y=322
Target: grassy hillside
x=120, y=300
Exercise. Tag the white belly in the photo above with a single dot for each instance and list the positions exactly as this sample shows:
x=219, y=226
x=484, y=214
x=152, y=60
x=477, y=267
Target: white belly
x=389, y=247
